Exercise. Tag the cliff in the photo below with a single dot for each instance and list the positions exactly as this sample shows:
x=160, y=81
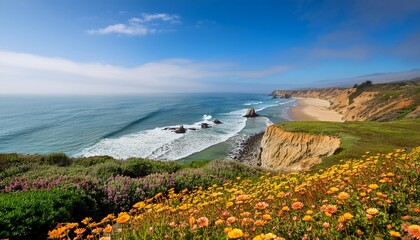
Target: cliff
x=294, y=151
x=368, y=102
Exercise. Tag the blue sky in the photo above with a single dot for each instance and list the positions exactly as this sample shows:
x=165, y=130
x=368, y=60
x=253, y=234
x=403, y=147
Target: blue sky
x=113, y=47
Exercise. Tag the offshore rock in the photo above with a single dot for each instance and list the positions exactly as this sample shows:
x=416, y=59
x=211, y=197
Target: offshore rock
x=217, y=121
x=251, y=113
x=205, y=125
x=181, y=129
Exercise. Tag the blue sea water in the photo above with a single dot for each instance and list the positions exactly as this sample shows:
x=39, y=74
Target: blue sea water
x=132, y=126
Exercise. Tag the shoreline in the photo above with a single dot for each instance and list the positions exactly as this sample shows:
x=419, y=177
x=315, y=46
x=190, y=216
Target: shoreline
x=314, y=109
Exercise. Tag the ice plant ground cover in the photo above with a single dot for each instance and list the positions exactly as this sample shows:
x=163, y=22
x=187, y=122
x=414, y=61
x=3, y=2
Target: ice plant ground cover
x=375, y=196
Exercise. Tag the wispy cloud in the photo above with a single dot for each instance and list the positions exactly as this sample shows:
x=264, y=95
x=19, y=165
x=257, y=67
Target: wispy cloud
x=139, y=26
x=27, y=73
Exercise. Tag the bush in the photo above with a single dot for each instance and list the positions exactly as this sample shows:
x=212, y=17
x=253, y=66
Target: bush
x=231, y=169
x=108, y=169
x=29, y=215
x=59, y=159
x=137, y=167
x=91, y=161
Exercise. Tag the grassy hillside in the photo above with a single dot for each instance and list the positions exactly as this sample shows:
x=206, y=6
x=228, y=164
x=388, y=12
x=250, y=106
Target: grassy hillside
x=359, y=137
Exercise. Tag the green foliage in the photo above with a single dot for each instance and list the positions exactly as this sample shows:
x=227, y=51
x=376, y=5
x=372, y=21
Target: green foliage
x=137, y=167
x=107, y=169
x=29, y=215
x=231, y=169
x=91, y=161
x=59, y=159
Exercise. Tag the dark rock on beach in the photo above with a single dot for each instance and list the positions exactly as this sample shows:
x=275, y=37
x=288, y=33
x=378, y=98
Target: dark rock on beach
x=205, y=125
x=251, y=113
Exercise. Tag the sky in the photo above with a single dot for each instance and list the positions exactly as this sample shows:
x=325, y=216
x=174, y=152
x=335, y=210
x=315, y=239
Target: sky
x=151, y=46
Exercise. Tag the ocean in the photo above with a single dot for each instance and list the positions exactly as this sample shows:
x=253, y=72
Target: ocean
x=133, y=126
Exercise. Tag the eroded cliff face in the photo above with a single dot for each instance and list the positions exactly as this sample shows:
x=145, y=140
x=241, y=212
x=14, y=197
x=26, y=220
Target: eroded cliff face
x=383, y=103
x=294, y=151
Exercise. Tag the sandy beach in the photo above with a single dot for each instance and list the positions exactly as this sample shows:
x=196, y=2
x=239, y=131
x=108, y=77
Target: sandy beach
x=313, y=109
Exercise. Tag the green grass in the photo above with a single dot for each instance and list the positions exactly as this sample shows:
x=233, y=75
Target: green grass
x=359, y=137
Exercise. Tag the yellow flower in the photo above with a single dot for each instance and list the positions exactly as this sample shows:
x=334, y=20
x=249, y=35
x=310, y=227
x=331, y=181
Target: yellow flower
x=347, y=216
x=343, y=196
x=235, y=233
x=309, y=212
x=218, y=222
x=394, y=234
x=372, y=211
x=373, y=186
x=259, y=237
x=266, y=217
x=285, y=208
x=334, y=189
x=139, y=205
x=191, y=220
x=307, y=218
x=123, y=217
x=229, y=204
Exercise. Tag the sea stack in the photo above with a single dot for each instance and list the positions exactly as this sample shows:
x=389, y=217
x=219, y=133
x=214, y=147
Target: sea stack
x=251, y=113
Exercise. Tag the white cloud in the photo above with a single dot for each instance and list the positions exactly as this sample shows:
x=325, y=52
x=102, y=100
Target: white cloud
x=140, y=26
x=22, y=73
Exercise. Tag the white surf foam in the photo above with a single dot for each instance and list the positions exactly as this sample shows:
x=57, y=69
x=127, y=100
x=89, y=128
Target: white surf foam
x=252, y=103
x=167, y=145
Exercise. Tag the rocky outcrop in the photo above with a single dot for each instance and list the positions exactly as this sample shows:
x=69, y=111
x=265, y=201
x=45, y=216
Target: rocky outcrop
x=294, y=151
x=217, y=121
x=251, y=113
x=181, y=129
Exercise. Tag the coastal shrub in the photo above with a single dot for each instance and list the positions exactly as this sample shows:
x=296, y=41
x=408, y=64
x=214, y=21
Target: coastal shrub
x=29, y=215
x=230, y=169
x=137, y=167
x=59, y=159
x=108, y=169
x=91, y=161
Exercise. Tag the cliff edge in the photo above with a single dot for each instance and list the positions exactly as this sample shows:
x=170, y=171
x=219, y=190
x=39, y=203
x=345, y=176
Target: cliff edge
x=294, y=151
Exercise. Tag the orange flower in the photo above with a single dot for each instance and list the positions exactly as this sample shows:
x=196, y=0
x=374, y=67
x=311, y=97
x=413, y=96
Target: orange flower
x=235, y=233
x=414, y=230
x=243, y=197
x=79, y=231
x=261, y=205
x=123, y=217
x=307, y=218
x=297, y=205
x=259, y=223
x=219, y=222
x=231, y=220
x=266, y=217
x=203, y=222
x=191, y=220
x=343, y=196
x=326, y=225
x=108, y=229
